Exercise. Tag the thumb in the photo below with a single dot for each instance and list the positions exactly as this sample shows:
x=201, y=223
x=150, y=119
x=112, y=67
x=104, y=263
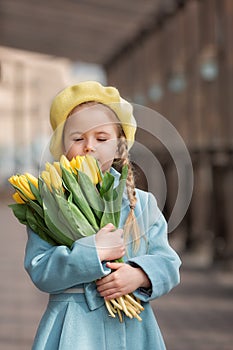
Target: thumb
x=109, y=227
x=114, y=266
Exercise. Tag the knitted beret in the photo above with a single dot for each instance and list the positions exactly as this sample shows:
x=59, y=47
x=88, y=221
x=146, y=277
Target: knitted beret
x=75, y=95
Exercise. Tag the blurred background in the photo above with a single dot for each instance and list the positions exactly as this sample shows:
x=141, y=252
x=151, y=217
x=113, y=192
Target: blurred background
x=172, y=56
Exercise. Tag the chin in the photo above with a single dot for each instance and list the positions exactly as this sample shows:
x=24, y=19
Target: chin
x=104, y=168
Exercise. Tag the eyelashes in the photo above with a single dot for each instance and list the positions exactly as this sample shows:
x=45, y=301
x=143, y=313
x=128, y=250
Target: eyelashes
x=98, y=139
x=102, y=139
x=76, y=140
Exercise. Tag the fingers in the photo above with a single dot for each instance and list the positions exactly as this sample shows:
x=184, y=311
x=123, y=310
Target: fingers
x=110, y=289
x=110, y=243
x=113, y=265
x=108, y=227
x=123, y=280
x=111, y=286
x=104, y=281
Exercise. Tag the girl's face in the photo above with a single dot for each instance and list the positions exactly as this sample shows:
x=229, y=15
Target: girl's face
x=92, y=130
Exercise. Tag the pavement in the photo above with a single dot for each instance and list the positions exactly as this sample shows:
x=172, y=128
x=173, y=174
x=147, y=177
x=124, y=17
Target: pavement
x=196, y=315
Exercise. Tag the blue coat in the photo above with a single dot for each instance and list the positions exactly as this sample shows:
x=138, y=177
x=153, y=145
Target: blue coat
x=74, y=321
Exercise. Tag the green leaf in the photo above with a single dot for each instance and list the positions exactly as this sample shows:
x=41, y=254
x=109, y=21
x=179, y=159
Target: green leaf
x=118, y=194
x=74, y=218
x=58, y=231
x=40, y=185
x=78, y=196
x=113, y=198
x=36, y=207
x=42, y=229
x=31, y=220
x=27, y=216
x=43, y=235
x=108, y=215
x=35, y=192
x=33, y=204
x=91, y=194
x=19, y=211
x=107, y=183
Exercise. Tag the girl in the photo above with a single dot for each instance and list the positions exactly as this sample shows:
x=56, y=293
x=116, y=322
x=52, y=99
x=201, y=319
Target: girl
x=91, y=119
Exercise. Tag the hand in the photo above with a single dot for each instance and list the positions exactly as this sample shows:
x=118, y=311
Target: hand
x=110, y=243
x=125, y=279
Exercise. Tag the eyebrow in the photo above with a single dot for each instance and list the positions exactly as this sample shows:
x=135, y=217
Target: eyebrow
x=103, y=133
x=81, y=133
x=75, y=132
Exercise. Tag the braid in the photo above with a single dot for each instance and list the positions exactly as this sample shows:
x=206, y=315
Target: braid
x=131, y=227
x=130, y=185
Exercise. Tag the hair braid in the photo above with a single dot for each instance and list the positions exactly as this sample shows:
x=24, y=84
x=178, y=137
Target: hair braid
x=131, y=228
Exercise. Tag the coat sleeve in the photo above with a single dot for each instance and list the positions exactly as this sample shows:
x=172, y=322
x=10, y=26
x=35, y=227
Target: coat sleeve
x=161, y=263
x=56, y=268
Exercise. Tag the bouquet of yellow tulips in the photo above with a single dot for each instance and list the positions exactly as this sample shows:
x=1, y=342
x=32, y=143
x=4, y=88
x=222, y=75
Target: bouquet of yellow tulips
x=71, y=200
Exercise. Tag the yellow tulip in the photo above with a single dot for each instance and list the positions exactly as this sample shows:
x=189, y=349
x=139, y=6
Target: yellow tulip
x=32, y=179
x=13, y=180
x=57, y=167
x=24, y=186
x=47, y=166
x=47, y=179
x=94, y=165
x=86, y=164
x=90, y=167
x=56, y=180
x=79, y=161
x=73, y=165
x=18, y=199
x=65, y=163
x=21, y=182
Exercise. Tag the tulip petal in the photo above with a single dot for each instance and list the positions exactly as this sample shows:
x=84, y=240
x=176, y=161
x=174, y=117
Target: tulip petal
x=17, y=198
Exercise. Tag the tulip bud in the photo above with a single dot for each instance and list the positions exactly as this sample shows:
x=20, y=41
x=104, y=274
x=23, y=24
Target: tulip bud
x=46, y=177
x=13, y=180
x=89, y=166
x=79, y=161
x=65, y=163
x=24, y=186
x=57, y=167
x=56, y=180
x=32, y=179
x=73, y=165
x=47, y=166
x=18, y=199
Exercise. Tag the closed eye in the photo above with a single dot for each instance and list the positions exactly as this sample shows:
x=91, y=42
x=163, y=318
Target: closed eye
x=101, y=139
x=76, y=139
x=102, y=136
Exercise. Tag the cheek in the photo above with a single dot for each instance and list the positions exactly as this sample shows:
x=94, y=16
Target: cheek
x=73, y=151
x=106, y=154
x=109, y=148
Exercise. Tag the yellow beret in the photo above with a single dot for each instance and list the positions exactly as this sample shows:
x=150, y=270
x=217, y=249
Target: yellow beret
x=75, y=95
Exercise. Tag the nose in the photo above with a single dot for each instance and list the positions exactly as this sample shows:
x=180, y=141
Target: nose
x=89, y=147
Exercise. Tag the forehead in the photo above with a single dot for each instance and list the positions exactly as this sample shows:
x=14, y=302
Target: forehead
x=92, y=116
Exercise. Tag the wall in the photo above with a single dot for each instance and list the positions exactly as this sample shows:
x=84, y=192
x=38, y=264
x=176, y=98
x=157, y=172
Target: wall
x=182, y=67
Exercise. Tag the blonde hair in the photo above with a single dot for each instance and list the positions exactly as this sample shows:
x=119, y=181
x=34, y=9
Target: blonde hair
x=131, y=227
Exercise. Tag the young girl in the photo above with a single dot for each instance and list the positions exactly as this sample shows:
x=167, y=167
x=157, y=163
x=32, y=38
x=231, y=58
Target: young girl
x=89, y=118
